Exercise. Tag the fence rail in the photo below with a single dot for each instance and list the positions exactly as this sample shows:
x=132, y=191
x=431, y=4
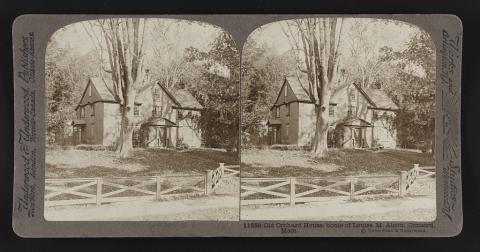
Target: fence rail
x=72, y=191
x=298, y=190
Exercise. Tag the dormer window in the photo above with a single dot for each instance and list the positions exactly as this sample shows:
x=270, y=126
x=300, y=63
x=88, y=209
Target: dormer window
x=285, y=91
x=352, y=96
x=90, y=90
x=157, y=110
x=351, y=111
x=82, y=112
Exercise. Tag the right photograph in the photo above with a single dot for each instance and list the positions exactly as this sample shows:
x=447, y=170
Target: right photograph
x=338, y=121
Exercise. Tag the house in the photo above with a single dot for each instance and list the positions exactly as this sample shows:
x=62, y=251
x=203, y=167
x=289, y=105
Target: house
x=162, y=117
x=358, y=118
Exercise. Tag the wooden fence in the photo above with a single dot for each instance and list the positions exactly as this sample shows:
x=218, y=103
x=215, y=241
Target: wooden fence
x=105, y=190
x=297, y=190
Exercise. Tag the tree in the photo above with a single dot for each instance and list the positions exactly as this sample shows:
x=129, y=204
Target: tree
x=364, y=64
x=263, y=73
x=412, y=86
x=123, y=41
x=318, y=41
x=218, y=91
x=58, y=78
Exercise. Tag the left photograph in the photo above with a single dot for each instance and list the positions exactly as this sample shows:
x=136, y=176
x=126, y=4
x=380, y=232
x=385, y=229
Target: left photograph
x=141, y=121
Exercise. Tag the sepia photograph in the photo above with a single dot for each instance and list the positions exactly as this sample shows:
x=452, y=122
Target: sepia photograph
x=338, y=121
x=142, y=121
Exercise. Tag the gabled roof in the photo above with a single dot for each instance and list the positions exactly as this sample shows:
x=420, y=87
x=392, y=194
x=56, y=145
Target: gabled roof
x=182, y=98
x=297, y=88
x=381, y=99
x=101, y=87
x=358, y=122
x=376, y=97
x=185, y=99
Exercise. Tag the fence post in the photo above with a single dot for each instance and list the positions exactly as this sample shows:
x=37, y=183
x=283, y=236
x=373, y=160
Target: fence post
x=402, y=183
x=222, y=168
x=159, y=187
x=99, y=191
x=292, y=191
x=208, y=182
x=352, y=188
x=416, y=168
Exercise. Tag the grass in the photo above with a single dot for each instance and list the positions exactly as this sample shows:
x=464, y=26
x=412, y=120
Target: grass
x=74, y=163
x=338, y=162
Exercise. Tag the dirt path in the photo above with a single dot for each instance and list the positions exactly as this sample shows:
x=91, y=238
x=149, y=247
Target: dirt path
x=205, y=208
x=394, y=209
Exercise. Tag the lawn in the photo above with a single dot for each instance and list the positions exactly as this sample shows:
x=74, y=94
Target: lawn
x=338, y=162
x=75, y=163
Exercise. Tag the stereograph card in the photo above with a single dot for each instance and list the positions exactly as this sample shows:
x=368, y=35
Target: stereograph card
x=237, y=125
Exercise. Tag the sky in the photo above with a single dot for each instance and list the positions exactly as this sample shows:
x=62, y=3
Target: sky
x=392, y=34
x=181, y=34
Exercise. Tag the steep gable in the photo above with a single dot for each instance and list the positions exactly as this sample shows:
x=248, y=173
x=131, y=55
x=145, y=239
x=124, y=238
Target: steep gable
x=375, y=97
x=295, y=92
x=185, y=99
x=381, y=99
x=96, y=91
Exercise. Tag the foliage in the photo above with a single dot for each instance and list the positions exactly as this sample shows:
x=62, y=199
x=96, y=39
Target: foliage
x=412, y=86
x=58, y=78
x=318, y=41
x=218, y=91
x=263, y=73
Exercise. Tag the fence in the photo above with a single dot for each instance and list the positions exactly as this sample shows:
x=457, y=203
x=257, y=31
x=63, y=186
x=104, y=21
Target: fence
x=299, y=190
x=105, y=190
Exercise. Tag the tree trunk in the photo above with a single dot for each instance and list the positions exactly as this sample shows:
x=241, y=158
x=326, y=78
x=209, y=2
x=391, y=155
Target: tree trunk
x=319, y=145
x=125, y=145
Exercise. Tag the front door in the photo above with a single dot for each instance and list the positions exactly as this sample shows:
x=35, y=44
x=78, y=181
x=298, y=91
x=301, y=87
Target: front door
x=79, y=135
x=162, y=137
x=358, y=137
x=276, y=135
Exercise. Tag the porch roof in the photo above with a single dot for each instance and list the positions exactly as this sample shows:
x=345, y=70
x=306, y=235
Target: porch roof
x=356, y=122
x=160, y=121
x=78, y=122
x=274, y=122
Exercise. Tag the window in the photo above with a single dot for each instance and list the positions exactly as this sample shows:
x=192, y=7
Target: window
x=156, y=110
x=82, y=112
x=277, y=112
x=285, y=91
x=136, y=109
x=374, y=115
x=90, y=90
x=331, y=110
x=352, y=111
x=179, y=115
x=352, y=95
x=288, y=109
x=92, y=108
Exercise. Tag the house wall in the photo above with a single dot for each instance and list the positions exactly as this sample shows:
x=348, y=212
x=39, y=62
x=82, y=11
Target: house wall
x=187, y=131
x=307, y=124
x=289, y=130
x=111, y=123
x=94, y=122
x=360, y=109
x=383, y=133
